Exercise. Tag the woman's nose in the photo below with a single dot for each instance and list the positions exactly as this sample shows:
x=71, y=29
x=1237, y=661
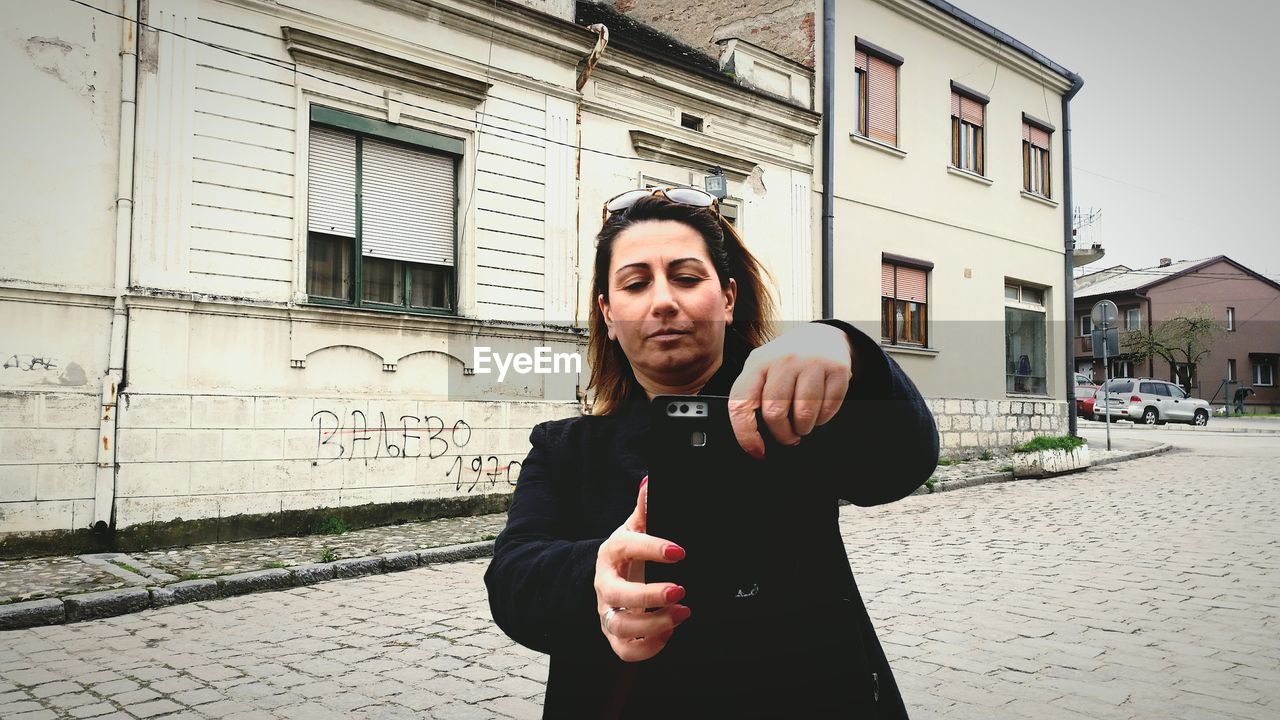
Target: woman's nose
x=664, y=300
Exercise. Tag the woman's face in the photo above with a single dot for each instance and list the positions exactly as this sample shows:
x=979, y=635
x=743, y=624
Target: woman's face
x=665, y=306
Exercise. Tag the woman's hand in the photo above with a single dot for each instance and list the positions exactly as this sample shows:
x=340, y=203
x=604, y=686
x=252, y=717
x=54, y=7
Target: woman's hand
x=798, y=381
x=622, y=596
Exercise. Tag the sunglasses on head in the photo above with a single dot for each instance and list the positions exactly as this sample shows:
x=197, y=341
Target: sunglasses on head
x=678, y=195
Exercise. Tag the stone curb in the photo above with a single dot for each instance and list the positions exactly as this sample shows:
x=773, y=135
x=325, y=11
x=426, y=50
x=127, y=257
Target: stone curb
x=109, y=603
x=946, y=485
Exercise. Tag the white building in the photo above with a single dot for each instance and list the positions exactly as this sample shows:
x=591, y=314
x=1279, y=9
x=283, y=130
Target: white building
x=255, y=250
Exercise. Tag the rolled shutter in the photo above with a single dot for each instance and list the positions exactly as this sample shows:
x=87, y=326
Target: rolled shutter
x=882, y=100
x=972, y=111
x=955, y=104
x=912, y=284
x=886, y=280
x=860, y=60
x=1034, y=135
x=409, y=204
x=331, y=182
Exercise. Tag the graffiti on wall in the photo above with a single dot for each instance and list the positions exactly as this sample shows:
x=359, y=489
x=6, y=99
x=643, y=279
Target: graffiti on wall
x=357, y=436
x=27, y=363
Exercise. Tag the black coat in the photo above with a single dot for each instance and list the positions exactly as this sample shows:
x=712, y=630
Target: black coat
x=816, y=656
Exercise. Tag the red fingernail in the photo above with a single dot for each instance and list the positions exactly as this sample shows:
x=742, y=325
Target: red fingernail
x=680, y=613
x=644, y=482
x=674, y=594
x=673, y=552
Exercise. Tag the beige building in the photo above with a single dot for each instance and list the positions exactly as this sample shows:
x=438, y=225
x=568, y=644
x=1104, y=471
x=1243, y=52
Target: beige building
x=948, y=200
x=265, y=260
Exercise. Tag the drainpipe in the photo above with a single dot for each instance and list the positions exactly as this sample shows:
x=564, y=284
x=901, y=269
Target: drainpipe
x=588, y=66
x=105, y=478
x=1069, y=245
x=828, y=156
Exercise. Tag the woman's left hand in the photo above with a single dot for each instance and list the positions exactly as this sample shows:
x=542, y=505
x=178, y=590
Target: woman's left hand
x=798, y=381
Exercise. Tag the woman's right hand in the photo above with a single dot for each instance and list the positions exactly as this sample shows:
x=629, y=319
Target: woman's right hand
x=622, y=595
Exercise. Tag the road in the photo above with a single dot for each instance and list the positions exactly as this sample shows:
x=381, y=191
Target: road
x=1146, y=589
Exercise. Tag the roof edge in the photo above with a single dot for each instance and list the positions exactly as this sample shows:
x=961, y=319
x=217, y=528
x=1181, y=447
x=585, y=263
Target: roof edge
x=1002, y=37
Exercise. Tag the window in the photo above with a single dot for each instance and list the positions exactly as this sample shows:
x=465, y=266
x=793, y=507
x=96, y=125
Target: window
x=1024, y=340
x=968, y=117
x=1132, y=319
x=1231, y=369
x=1121, y=368
x=382, y=214
x=876, y=93
x=904, y=302
x=691, y=122
x=1086, y=326
x=1036, y=165
x=1231, y=318
x=1264, y=371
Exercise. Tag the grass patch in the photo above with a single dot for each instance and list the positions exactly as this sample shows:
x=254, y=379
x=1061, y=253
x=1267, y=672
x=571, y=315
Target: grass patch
x=190, y=576
x=329, y=555
x=1050, y=442
x=1006, y=468
x=274, y=565
x=931, y=484
x=330, y=525
x=130, y=568
x=944, y=462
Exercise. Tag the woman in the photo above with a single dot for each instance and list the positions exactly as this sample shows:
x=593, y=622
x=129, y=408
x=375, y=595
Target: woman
x=681, y=309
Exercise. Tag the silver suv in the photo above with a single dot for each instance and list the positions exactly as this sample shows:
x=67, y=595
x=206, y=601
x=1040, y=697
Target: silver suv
x=1154, y=402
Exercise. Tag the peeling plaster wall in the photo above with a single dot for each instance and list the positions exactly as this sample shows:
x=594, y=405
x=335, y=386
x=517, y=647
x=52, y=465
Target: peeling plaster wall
x=60, y=69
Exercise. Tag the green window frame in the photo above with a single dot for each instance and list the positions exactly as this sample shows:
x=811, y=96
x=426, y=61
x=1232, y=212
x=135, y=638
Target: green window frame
x=339, y=273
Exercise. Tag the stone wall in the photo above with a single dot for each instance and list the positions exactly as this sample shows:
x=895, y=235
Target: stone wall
x=785, y=27
x=968, y=428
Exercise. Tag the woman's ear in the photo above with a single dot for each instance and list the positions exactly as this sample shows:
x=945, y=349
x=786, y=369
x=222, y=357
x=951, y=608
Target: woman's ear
x=730, y=298
x=608, y=316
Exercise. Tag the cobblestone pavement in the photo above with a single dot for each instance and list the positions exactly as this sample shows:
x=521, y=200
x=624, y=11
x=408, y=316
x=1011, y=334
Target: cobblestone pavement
x=1145, y=589
x=57, y=576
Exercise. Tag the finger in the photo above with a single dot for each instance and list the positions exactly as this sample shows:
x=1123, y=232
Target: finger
x=615, y=592
x=632, y=624
x=638, y=521
x=744, y=400
x=807, y=406
x=638, y=650
x=775, y=402
x=837, y=388
x=624, y=545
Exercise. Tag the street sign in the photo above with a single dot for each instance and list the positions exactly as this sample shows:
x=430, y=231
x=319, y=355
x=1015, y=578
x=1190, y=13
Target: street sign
x=1109, y=349
x=1105, y=314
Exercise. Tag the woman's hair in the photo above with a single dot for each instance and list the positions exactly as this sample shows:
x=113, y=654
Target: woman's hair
x=753, y=312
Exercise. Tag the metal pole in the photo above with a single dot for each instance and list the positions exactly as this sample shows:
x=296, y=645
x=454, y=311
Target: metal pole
x=1106, y=387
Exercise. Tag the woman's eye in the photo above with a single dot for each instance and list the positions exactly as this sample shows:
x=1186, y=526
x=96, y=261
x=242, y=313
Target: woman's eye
x=688, y=279
x=635, y=285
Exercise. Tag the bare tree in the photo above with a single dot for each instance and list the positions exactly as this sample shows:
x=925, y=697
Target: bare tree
x=1180, y=341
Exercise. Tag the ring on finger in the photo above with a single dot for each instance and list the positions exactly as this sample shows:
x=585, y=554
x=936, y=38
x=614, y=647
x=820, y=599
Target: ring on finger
x=607, y=621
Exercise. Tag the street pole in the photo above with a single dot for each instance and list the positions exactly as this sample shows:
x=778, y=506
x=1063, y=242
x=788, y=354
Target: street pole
x=1106, y=389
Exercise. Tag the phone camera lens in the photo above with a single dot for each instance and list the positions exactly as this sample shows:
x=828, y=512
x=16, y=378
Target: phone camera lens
x=684, y=408
x=671, y=409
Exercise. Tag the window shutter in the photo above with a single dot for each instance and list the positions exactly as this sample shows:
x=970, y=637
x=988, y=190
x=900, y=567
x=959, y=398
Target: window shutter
x=972, y=111
x=408, y=203
x=860, y=60
x=882, y=100
x=886, y=280
x=331, y=182
x=1035, y=136
x=955, y=104
x=912, y=284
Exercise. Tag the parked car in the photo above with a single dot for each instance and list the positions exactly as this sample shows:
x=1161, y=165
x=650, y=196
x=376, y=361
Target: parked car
x=1085, y=388
x=1150, y=401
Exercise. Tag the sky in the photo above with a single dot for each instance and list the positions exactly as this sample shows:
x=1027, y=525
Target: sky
x=1174, y=133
